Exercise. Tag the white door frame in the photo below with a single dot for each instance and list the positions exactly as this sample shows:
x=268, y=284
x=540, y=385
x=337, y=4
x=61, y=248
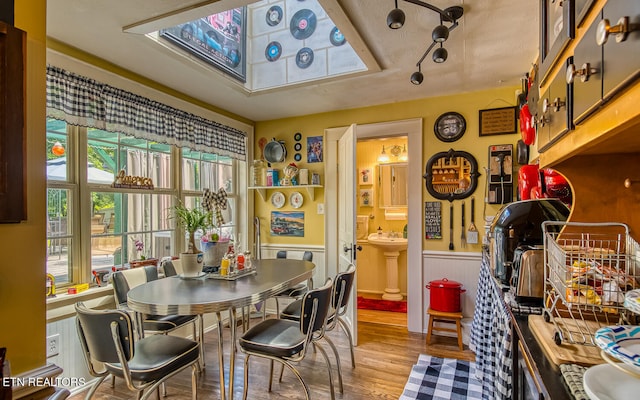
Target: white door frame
x=412, y=128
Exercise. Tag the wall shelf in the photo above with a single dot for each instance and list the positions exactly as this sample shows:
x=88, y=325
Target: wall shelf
x=262, y=190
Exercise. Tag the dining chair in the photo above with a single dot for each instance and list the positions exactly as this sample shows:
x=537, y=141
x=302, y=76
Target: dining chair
x=296, y=291
x=111, y=346
x=127, y=279
x=286, y=341
x=342, y=286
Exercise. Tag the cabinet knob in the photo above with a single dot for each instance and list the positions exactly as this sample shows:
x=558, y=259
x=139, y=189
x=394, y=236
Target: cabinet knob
x=620, y=30
x=585, y=72
x=543, y=120
x=554, y=106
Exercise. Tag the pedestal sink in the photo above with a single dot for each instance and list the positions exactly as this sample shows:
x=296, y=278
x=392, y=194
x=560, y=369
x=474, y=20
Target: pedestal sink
x=391, y=246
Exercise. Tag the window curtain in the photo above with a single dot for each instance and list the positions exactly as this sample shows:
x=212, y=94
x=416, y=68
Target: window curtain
x=82, y=101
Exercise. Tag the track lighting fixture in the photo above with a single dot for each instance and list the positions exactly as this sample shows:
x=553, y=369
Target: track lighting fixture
x=439, y=35
x=417, y=77
x=395, y=19
x=440, y=54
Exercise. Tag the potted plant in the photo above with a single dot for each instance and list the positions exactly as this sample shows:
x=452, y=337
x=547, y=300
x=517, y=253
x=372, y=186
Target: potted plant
x=192, y=220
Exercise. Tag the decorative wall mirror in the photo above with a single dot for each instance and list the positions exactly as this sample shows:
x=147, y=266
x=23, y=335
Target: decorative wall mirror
x=451, y=175
x=393, y=190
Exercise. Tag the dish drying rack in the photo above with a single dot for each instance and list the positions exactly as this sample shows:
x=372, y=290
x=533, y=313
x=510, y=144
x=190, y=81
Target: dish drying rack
x=588, y=269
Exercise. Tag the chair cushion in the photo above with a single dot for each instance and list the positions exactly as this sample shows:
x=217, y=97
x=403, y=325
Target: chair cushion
x=295, y=291
x=156, y=356
x=292, y=312
x=162, y=323
x=275, y=337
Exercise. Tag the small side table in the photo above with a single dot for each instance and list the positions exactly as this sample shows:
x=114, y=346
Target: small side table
x=445, y=317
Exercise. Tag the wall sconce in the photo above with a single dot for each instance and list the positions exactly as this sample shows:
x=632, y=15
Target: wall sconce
x=383, y=157
x=396, y=18
x=404, y=156
x=397, y=151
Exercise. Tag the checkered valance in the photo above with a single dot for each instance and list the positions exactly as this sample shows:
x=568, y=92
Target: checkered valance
x=82, y=101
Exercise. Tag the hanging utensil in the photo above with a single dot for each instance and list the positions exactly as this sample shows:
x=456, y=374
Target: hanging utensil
x=472, y=233
x=463, y=238
x=451, y=227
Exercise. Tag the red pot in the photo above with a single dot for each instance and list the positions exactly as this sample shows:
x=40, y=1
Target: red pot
x=445, y=295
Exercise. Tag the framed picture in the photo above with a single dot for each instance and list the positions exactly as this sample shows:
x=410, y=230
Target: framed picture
x=314, y=149
x=499, y=121
x=365, y=177
x=287, y=223
x=218, y=39
x=366, y=197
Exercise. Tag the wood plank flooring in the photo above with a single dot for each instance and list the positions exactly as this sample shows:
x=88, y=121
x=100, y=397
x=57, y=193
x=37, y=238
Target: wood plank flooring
x=384, y=357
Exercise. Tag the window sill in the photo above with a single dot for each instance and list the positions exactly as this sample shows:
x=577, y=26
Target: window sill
x=62, y=306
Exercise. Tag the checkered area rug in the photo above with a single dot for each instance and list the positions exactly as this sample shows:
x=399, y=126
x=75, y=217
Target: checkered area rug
x=442, y=379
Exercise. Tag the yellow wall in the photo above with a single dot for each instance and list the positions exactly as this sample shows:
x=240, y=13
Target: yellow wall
x=22, y=273
x=467, y=104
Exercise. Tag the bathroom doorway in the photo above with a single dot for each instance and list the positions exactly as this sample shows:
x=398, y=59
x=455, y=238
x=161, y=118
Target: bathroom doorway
x=412, y=130
x=382, y=213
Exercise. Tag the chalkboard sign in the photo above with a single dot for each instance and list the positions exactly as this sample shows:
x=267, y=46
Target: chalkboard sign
x=432, y=220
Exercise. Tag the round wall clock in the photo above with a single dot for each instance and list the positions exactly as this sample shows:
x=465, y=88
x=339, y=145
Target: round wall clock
x=450, y=126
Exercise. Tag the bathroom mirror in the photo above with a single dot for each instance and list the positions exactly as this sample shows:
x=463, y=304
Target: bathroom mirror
x=451, y=175
x=392, y=180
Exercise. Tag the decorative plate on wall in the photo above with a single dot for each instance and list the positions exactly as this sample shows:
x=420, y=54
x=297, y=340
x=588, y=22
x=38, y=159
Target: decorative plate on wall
x=450, y=126
x=296, y=199
x=277, y=199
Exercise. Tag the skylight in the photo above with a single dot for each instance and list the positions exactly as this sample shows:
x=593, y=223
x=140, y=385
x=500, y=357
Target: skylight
x=269, y=44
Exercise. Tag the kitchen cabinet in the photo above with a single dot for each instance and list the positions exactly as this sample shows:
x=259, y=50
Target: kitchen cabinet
x=555, y=110
x=621, y=51
x=586, y=75
x=602, y=149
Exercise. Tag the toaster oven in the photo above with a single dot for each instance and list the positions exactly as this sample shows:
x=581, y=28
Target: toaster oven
x=519, y=223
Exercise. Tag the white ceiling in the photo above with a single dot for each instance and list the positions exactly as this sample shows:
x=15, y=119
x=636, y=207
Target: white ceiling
x=495, y=44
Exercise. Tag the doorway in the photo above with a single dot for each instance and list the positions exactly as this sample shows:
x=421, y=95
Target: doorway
x=412, y=129
x=381, y=190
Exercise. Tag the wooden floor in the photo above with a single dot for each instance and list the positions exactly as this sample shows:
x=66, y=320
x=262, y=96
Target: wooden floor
x=384, y=357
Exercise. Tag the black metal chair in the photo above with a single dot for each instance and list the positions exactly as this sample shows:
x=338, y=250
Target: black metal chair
x=127, y=279
x=111, y=346
x=286, y=341
x=296, y=291
x=342, y=286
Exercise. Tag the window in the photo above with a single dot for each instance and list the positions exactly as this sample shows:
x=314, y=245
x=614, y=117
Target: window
x=209, y=171
x=109, y=222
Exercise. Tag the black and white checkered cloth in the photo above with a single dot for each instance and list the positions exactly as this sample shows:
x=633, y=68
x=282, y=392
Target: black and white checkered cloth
x=215, y=202
x=442, y=379
x=83, y=101
x=491, y=337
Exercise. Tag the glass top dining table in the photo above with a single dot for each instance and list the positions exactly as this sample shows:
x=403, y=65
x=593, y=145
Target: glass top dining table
x=192, y=296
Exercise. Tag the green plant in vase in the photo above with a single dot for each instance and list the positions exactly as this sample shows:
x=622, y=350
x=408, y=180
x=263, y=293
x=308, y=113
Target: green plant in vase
x=192, y=220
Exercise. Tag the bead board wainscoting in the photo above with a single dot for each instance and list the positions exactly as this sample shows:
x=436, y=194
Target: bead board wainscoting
x=455, y=266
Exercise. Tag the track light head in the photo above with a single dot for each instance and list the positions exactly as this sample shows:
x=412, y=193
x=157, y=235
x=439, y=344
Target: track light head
x=440, y=33
x=417, y=78
x=440, y=55
x=395, y=19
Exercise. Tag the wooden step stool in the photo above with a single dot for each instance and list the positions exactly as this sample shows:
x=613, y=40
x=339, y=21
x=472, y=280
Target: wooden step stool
x=447, y=317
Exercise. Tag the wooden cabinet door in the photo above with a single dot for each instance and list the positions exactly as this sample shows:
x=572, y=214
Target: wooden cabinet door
x=587, y=88
x=559, y=105
x=621, y=54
